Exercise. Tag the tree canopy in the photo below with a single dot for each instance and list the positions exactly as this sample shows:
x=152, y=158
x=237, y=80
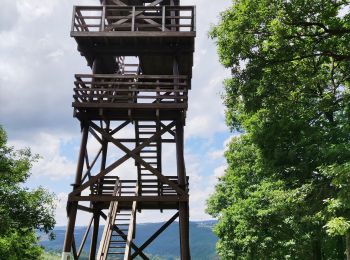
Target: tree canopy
x=22, y=211
x=285, y=194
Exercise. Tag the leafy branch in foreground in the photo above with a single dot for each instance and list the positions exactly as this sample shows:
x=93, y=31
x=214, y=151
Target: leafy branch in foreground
x=22, y=211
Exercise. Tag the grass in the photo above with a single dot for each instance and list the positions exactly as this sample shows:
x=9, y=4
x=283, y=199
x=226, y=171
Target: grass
x=52, y=256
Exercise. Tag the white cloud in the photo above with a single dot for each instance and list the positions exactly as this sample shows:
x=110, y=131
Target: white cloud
x=220, y=171
x=52, y=164
x=61, y=212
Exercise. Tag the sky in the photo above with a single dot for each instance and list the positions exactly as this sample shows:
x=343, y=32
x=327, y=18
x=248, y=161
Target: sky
x=37, y=64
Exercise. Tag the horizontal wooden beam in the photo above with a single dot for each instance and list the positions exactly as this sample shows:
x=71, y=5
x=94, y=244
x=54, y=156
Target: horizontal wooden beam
x=129, y=34
x=130, y=105
x=104, y=198
x=125, y=140
x=124, y=49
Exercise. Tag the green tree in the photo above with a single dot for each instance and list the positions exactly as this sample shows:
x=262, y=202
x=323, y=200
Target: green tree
x=22, y=211
x=289, y=92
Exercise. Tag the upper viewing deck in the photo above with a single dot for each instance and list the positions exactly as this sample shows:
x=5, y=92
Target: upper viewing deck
x=121, y=27
x=154, y=33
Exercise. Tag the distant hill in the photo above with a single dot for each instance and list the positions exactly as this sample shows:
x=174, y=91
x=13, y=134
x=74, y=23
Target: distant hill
x=166, y=246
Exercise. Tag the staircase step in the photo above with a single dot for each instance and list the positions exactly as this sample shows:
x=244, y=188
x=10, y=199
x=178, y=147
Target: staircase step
x=147, y=126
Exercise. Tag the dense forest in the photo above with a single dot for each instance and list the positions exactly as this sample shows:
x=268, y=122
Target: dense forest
x=286, y=191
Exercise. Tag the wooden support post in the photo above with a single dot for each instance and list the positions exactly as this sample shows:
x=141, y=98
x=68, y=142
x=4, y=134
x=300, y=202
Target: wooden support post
x=181, y=174
x=93, y=248
x=183, y=206
x=94, y=236
x=72, y=206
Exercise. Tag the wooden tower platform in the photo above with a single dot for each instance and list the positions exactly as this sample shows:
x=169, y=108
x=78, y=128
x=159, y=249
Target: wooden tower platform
x=132, y=104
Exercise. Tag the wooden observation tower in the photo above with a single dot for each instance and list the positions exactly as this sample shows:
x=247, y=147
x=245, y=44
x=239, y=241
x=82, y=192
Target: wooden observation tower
x=130, y=107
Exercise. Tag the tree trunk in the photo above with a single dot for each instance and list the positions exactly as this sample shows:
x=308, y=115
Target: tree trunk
x=347, y=246
x=316, y=250
x=340, y=248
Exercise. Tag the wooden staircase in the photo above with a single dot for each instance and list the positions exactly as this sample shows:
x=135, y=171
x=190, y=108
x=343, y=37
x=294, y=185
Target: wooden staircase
x=148, y=182
x=119, y=229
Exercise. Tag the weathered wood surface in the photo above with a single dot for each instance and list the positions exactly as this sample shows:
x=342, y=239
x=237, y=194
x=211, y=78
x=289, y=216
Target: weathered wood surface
x=137, y=19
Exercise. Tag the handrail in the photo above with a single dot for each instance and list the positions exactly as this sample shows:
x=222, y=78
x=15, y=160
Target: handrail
x=135, y=89
x=108, y=228
x=111, y=18
x=131, y=228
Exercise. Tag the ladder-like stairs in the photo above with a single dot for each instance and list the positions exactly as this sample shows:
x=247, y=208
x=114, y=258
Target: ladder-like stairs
x=148, y=182
x=119, y=229
x=118, y=240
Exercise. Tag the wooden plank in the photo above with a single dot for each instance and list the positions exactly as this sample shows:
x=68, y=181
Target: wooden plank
x=108, y=198
x=131, y=105
x=147, y=34
x=97, y=97
x=115, y=76
x=82, y=90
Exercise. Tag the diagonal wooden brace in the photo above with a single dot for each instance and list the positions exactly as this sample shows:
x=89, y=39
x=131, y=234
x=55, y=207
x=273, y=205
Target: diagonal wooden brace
x=138, y=159
x=154, y=236
x=113, y=25
x=124, y=236
x=121, y=160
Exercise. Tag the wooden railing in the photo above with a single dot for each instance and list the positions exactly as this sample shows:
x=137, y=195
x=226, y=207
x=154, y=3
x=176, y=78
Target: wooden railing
x=149, y=187
x=132, y=227
x=133, y=18
x=130, y=89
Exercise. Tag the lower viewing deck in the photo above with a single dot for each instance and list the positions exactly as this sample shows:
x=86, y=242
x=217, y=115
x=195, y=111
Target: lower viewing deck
x=130, y=96
x=154, y=195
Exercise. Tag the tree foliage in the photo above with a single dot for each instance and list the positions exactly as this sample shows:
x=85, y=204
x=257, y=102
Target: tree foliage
x=22, y=211
x=286, y=192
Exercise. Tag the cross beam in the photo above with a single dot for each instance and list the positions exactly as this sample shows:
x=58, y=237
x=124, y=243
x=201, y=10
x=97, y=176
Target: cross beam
x=154, y=236
x=121, y=160
x=138, y=159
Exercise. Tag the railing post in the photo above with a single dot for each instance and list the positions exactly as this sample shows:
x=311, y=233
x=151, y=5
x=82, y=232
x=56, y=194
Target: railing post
x=73, y=18
x=133, y=19
x=163, y=18
x=103, y=18
x=194, y=18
